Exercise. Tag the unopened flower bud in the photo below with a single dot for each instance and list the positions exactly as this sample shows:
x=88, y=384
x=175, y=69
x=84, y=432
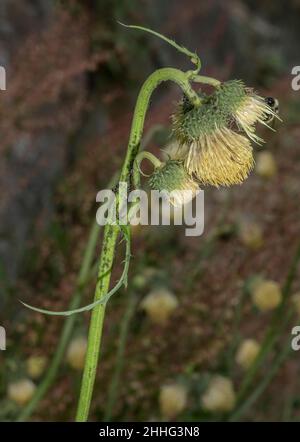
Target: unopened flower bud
x=172, y=178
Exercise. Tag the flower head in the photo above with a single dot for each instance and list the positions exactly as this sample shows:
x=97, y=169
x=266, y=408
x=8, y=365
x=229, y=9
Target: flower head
x=266, y=295
x=172, y=178
x=36, y=366
x=21, y=391
x=159, y=304
x=266, y=166
x=219, y=396
x=172, y=400
x=247, y=353
x=76, y=352
x=211, y=142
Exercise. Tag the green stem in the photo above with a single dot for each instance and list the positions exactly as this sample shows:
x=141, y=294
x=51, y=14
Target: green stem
x=52, y=370
x=111, y=232
x=113, y=388
x=150, y=157
x=206, y=80
x=159, y=76
x=97, y=319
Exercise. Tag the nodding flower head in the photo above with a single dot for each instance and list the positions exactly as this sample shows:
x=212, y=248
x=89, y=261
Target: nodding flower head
x=172, y=178
x=210, y=139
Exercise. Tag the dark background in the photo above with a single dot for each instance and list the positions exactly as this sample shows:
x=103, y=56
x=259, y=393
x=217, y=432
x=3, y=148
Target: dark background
x=73, y=74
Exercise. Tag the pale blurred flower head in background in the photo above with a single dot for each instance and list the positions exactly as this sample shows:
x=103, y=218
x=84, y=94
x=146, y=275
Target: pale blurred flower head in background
x=172, y=400
x=219, y=396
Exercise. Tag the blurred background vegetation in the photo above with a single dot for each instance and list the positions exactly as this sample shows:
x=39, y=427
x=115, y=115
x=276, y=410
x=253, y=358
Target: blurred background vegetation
x=203, y=331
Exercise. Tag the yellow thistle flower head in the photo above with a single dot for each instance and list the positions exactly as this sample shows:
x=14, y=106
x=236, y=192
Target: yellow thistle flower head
x=172, y=178
x=209, y=137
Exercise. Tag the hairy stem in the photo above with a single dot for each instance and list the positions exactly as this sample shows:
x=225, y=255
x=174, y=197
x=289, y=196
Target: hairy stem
x=124, y=329
x=150, y=157
x=206, y=80
x=96, y=324
x=111, y=232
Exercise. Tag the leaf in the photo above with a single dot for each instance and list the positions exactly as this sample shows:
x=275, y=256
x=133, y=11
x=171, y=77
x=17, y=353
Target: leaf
x=123, y=281
x=193, y=56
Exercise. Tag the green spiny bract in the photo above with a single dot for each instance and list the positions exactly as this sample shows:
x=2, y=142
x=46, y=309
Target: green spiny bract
x=170, y=176
x=216, y=111
x=173, y=179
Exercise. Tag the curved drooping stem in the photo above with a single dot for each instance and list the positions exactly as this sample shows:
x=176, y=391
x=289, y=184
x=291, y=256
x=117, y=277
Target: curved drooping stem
x=111, y=232
x=159, y=76
x=143, y=155
x=206, y=80
x=165, y=74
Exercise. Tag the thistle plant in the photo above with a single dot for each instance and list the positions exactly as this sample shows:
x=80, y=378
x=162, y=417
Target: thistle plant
x=212, y=145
